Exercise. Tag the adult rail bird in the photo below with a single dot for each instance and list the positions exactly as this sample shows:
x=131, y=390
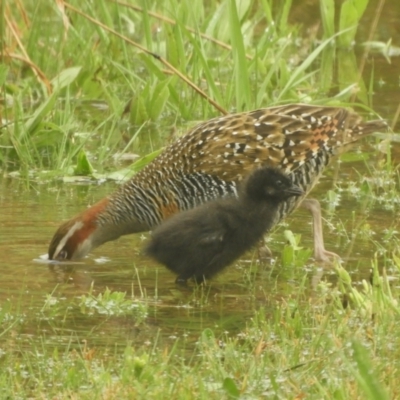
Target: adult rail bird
x=209, y=161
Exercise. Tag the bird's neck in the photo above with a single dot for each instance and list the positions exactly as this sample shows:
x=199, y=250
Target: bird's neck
x=106, y=221
x=259, y=209
x=143, y=203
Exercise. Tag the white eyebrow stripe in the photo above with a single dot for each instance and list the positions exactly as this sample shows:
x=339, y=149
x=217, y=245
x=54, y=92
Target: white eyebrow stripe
x=77, y=225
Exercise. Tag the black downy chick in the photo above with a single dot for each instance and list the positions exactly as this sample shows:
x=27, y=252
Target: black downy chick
x=201, y=242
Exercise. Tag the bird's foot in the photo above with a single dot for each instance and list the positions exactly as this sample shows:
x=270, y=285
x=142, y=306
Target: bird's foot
x=325, y=256
x=183, y=278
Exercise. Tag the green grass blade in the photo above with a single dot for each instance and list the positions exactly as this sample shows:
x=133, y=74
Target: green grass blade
x=350, y=15
x=242, y=82
x=372, y=389
x=327, y=9
x=306, y=64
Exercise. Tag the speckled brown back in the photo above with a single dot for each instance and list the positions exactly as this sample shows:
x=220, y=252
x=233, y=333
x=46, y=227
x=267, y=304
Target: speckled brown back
x=213, y=157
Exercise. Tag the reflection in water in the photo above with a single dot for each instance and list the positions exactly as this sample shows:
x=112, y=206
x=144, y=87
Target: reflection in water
x=359, y=224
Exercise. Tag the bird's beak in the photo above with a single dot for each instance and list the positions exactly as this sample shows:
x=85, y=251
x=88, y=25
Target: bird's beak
x=295, y=190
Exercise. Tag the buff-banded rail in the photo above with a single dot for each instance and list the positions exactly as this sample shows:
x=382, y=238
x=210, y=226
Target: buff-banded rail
x=209, y=162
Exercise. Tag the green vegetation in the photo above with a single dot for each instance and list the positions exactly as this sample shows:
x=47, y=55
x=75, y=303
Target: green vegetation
x=87, y=86
x=340, y=342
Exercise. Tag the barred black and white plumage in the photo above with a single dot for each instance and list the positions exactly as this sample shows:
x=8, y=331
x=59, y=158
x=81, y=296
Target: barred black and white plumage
x=153, y=205
x=209, y=161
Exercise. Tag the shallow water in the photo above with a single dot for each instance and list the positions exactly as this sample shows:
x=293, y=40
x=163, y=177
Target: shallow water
x=30, y=216
x=31, y=212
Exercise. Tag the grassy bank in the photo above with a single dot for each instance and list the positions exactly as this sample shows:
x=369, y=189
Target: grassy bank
x=87, y=86
x=339, y=342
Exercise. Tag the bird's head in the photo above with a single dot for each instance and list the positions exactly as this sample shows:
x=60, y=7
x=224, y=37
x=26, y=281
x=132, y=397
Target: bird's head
x=73, y=240
x=271, y=184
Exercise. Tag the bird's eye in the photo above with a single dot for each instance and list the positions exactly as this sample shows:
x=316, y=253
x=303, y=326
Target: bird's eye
x=62, y=255
x=279, y=182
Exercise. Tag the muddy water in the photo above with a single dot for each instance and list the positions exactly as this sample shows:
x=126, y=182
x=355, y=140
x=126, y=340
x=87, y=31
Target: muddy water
x=30, y=216
x=31, y=212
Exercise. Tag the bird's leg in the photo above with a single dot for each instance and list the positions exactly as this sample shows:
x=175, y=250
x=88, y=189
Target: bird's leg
x=320, y=254
x=264, y=252
x=183, y=278
x=199, y=279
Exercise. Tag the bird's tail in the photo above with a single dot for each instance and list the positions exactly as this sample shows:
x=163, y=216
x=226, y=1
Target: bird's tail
x=355, y=129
